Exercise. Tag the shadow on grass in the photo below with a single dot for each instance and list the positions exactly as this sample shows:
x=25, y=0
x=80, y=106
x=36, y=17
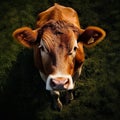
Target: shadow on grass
x=25, y=91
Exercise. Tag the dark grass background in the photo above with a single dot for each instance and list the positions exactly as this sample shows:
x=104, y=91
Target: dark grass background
x=97, y=93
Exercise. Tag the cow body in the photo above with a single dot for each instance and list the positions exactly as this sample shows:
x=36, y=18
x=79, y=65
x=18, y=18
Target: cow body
x=58, y=44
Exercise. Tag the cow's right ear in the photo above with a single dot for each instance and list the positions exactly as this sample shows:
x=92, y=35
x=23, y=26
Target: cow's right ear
x=26, y=36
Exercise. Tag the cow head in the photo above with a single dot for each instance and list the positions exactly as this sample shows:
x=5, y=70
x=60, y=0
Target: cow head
x=58, y=50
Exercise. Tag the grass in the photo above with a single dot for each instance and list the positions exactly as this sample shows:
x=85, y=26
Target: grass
x=22, y=92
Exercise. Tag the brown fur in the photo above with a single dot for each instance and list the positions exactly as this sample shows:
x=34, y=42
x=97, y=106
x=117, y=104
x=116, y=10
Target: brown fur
x=60, y=31
x=58, y=12
x=58, y=34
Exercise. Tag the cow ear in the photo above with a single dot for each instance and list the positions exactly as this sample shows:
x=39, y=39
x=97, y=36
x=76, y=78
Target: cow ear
x=91, y=36
x=26, y=36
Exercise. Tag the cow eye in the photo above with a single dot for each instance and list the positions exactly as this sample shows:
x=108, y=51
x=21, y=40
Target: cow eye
x=75, y=48
x=73, y=51
x=42, y=48
x=58, y=33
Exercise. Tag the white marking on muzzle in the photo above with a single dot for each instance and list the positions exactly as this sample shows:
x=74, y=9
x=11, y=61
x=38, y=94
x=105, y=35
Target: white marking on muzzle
x=50, y=77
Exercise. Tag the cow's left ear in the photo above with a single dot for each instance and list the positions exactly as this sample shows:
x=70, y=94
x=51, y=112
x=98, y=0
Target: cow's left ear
x=91, y=36
x=26, y=36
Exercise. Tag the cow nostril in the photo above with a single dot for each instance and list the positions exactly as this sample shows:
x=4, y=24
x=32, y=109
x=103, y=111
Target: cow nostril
x=67, y=81
x=66, y=84
x=59, y=83
x=52, y=83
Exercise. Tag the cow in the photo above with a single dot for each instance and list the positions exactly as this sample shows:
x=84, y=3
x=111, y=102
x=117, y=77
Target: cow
x=58, y=43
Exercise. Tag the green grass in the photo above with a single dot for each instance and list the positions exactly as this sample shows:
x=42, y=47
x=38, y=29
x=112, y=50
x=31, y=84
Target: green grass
x=22, y=92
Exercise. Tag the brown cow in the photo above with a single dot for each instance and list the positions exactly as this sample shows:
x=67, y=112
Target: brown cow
x=58, y=44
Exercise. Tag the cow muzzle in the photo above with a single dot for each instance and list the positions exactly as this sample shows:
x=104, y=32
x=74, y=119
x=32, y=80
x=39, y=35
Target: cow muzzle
x=63, y=82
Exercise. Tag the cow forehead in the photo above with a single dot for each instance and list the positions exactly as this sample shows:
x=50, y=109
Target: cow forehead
x=59, y=26
x=57, y=42
x=60, y=35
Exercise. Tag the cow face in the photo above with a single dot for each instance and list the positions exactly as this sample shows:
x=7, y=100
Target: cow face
x=58, y=50
x=58, y=45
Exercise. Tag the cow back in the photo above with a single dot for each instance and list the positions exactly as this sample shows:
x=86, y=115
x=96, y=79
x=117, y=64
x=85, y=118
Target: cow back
x=58, y=12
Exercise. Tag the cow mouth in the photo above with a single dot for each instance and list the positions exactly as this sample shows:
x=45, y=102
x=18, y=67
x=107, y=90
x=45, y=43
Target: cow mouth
x=56, y=86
